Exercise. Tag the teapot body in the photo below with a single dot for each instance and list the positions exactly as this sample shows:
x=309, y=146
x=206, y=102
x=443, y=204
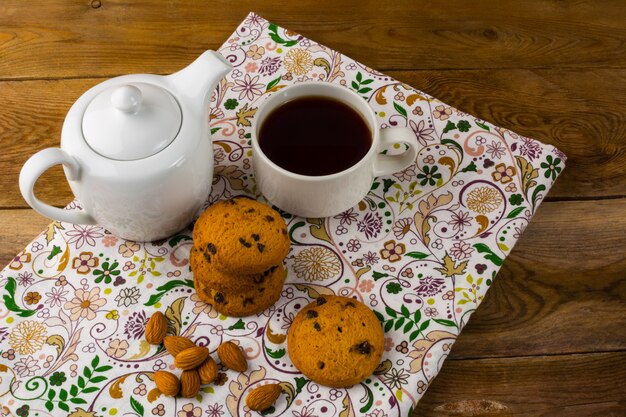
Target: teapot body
x=136, y=151
x=149, y=198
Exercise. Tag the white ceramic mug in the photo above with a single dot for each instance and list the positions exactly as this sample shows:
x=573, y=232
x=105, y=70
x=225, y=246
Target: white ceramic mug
x=328, y=195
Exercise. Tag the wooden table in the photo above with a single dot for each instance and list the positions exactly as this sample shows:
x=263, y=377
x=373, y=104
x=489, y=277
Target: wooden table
x=550, y=337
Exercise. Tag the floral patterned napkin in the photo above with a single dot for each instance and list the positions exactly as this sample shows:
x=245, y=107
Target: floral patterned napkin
x=421, y=250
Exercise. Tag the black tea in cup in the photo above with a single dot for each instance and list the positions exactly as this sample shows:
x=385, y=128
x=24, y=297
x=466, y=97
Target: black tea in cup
x=315, y=136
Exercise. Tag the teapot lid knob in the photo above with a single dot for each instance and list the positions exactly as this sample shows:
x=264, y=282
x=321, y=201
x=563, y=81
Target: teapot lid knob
x=128, y=122
x=127, y=98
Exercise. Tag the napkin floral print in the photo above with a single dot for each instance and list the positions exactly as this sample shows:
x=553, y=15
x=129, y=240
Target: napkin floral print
x=421, y=250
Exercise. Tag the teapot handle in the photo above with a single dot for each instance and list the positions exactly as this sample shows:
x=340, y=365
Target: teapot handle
x=32, y=170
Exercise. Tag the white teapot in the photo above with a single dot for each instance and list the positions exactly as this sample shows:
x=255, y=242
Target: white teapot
x=136, y=152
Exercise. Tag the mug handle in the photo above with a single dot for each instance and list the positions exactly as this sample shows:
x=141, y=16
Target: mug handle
x=388, y=164
x=32, y=170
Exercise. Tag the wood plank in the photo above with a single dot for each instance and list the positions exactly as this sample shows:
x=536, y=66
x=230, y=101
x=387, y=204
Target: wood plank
x=17, y=229
x=486, y=408
x=56, y=38
x=558, y=292
x=564, y=386
x=31, y=118
x=583, y=112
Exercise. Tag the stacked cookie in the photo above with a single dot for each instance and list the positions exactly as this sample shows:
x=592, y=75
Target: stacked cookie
x=237, y=257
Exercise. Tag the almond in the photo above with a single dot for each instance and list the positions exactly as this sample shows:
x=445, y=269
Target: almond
x=167, y=383
x=176, y=344
x=156, y=328
x=191, y=358
x=189, y=384
x=263, y=397
x=208, y=371
x=232, y=357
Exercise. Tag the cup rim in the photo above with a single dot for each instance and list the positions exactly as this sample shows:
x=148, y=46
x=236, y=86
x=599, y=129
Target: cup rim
x=370, y=119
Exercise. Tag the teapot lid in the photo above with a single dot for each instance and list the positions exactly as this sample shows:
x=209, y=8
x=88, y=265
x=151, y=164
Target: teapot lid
x=131, y=121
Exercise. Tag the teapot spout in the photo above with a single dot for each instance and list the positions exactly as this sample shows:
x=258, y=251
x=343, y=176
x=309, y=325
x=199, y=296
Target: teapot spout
x=196, y=82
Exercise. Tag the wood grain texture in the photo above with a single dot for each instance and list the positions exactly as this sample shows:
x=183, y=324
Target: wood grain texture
x=75, y=39
x=19, y=228
x=562, y=385
x=561, y=290
x=583, y=112
x=31, y=119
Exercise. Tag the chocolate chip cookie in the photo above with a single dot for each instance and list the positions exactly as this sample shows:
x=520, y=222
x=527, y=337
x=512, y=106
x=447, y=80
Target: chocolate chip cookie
x=241, y=236
x=206, y=273
x=336, y=341
x=241, y=303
